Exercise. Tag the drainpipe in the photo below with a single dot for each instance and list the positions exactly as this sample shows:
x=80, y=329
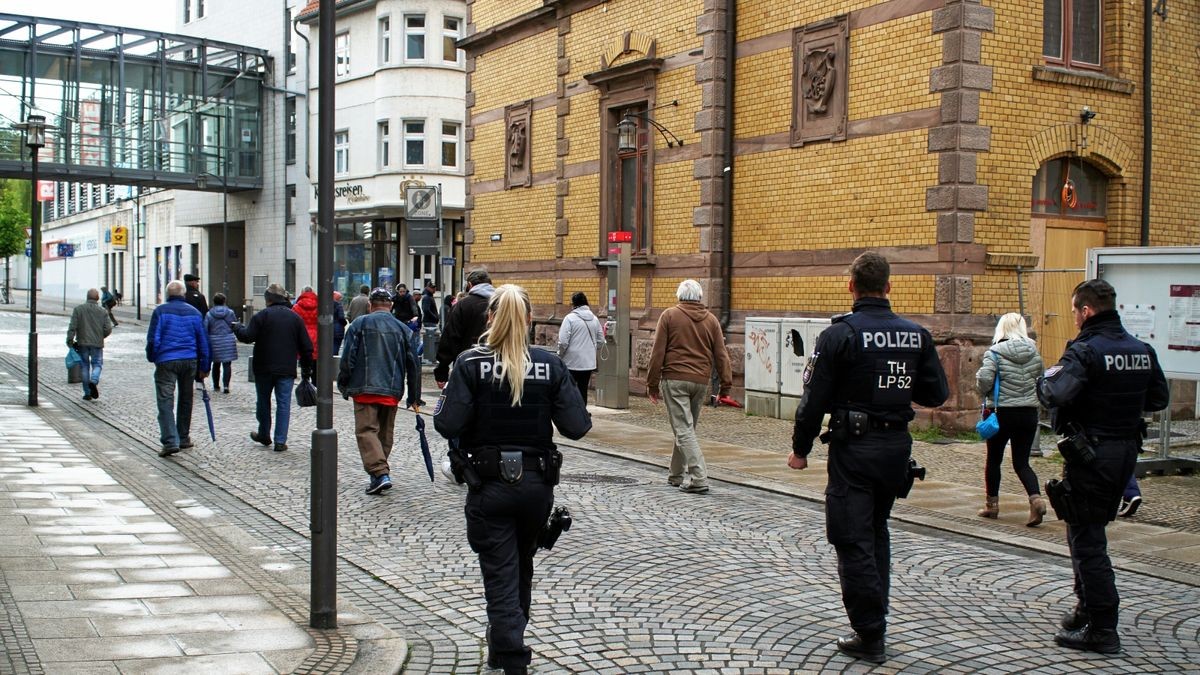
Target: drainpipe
x=1147, y=117
x=727, y=177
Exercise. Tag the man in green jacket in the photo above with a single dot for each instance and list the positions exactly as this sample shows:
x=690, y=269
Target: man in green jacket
x=89, y=326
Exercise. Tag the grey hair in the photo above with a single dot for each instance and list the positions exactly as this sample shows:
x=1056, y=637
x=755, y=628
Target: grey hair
x=176, y=287
x=93, y=294
x=689, y=291
x=307, y=289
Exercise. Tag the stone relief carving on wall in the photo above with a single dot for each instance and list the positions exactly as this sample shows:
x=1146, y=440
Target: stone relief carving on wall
x=517, y=145
x=819, y=80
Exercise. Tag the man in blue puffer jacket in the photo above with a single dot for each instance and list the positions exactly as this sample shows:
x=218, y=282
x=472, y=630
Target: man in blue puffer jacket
x=177, y=345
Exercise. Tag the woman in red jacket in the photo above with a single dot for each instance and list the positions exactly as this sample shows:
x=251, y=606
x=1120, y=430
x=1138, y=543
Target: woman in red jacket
x=306, y=307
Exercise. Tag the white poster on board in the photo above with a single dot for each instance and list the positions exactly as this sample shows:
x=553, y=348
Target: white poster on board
x=1138, y=320
x=1183, y=332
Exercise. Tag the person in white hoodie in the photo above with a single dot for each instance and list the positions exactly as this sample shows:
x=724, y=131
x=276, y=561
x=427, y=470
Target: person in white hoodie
x=578, y=338
x=1016, y=356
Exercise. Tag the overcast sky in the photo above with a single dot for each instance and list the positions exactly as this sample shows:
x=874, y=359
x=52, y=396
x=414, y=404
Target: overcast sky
x=151, y=14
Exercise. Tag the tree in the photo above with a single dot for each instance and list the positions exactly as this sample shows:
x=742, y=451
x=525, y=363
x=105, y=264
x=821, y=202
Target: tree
x=14, y=217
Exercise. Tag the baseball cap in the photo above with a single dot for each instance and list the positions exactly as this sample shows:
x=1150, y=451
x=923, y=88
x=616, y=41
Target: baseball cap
x=381, y=294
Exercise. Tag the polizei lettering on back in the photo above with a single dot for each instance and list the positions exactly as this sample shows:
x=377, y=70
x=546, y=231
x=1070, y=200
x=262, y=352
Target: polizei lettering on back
x=891, y=340
x=1127, y=362
x=533, y=371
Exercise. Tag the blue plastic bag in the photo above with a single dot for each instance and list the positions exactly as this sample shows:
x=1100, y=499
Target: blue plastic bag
x=73, y=358
x=74, y=366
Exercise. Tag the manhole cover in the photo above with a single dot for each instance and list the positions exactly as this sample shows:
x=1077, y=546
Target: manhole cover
x=596, y=478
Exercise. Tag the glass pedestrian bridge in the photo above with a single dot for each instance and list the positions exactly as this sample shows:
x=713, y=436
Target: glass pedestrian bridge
x=131, y=106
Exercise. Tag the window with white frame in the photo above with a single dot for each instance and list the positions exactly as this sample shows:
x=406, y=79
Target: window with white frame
x=341, y=50
x=451, y=32
x=414, y=142
x=187, y=11
x=199, y=9
x=290, y=146
x=385, y=145
x=341, y=152
x=385, y=40
x=450, y=132
x=414, y=37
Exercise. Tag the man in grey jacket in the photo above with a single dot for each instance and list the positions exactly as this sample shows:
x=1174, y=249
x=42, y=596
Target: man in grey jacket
x=578, y=338
x=89, y=326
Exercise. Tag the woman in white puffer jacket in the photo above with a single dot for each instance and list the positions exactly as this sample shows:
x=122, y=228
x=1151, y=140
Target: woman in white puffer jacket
x=1019, y=363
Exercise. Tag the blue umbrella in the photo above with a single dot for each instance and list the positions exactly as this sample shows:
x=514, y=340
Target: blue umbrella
x=425, y=447
x=212, y=430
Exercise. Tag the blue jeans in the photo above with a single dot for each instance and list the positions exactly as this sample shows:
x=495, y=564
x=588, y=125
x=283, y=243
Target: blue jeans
x=93, y=361
x=282, y=386
x=174, y=427
x=1131, y=488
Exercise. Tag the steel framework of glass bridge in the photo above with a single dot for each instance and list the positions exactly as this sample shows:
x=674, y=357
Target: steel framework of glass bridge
x=131, y=106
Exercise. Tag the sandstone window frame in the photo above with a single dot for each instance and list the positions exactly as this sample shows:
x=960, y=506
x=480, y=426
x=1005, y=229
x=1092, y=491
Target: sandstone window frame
x=626, y=86
x=823, y=117
x=1065, y=33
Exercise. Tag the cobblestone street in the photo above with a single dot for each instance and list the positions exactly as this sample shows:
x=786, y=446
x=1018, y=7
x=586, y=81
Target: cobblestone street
x=648, y=578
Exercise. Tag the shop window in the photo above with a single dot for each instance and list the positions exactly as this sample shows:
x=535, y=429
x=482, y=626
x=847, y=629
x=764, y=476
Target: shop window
x=1072, y=32
x=1069, y=187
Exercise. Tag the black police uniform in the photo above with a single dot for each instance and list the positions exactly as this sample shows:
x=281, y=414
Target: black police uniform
x=1104, y=381
x=503, y=519
x=866, y=371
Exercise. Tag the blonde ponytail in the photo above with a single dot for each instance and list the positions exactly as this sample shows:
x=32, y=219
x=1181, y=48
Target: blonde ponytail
x=507, y=337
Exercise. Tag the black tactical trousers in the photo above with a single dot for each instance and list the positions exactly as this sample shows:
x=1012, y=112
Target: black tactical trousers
x=864, y=476
x=1097, y=489
x=503, y=522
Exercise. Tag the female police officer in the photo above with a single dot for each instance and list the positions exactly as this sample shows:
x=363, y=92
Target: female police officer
x=498, y=404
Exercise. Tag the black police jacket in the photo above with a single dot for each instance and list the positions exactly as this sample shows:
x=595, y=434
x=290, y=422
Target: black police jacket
x=476, y=405
x=870, y=361
x=1104, y=381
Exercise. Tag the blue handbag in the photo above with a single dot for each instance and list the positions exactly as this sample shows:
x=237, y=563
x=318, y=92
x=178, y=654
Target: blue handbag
x=989, y=422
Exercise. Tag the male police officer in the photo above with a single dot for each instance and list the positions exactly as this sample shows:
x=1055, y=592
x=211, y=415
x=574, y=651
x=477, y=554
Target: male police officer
x=1097, y=393
x=866, y=371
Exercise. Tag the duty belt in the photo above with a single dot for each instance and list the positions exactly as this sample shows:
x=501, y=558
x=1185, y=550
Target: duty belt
x=489, y=466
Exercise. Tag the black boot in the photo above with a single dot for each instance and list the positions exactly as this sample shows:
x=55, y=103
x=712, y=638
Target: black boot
x=1088, y=639
x=1075, y=619
x=863, y=648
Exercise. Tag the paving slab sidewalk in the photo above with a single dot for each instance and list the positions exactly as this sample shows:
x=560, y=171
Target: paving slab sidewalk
x=1153, y=549
x=111, y=569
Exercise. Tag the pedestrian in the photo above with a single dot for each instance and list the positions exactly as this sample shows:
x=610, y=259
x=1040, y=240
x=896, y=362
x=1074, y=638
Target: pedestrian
x=360, y=305
x=194, y=297
x=687, y=342
x=108, y=301
x=306, y=308
x=866, y=371
x=1131, y=499
x=1097, y=394
x=339, y=323
x=222, y=343
x=498, y=407
x=578, y=339
x=465, y=322
x=177, y=345
x=89, y=326
x=279, y=338
x=404, y=305
x=430, y=319
x=1015, y=360
x=379, y=364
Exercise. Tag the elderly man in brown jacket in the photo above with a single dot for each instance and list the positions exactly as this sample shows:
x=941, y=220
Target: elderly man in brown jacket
x=687, y=342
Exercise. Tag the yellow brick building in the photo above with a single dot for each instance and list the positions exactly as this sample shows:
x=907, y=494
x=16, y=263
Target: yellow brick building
x=943, y=133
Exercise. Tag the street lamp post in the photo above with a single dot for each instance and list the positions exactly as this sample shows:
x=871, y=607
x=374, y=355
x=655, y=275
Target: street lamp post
x=35, y=140
x=202, y=183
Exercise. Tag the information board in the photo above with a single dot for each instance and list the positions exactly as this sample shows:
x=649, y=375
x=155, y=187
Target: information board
x=1158, y=297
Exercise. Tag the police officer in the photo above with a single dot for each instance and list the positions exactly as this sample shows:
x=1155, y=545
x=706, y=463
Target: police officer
x=498, y=405
x=866, y=371
x=1096, y=395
